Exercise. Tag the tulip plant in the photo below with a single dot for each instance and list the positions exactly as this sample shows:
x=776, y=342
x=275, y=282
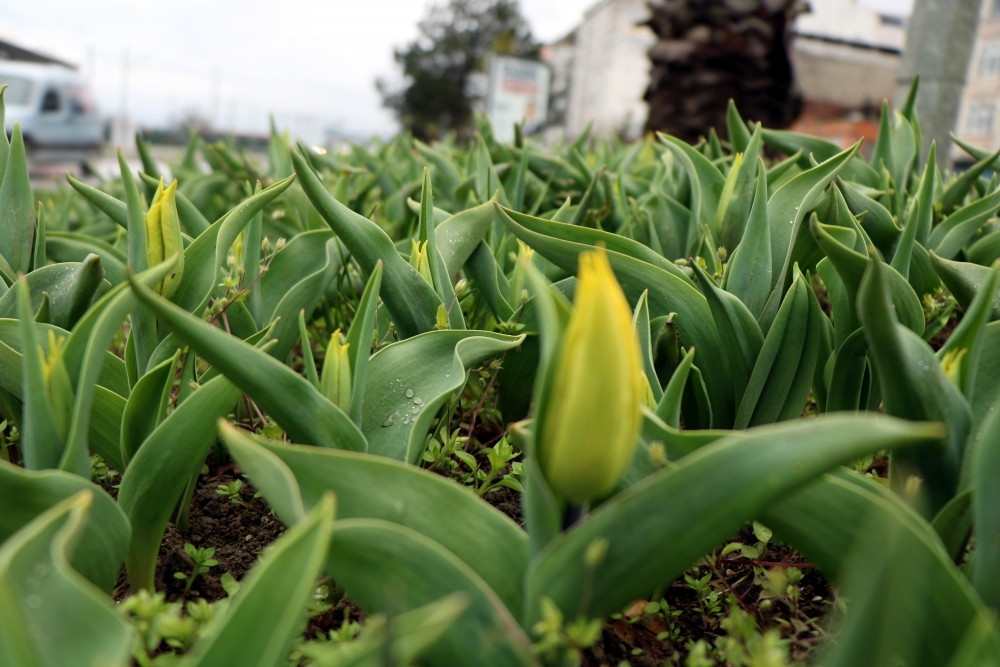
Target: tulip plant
x=647, y=346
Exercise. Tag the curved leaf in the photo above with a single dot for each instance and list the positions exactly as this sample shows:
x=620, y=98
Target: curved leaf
x=100, y=549
x=410, y=380
x=411, y=300
x=158, y=474
x=388, y=567
x=484, y=539
x=71, y=288
x=823, y=520
x=207, y=254
x=748, y=274
x=146, y=406
x=53, y=616
x=782, y=373
x=265, y=614
x=913, y=387
x=293, y=402
x=710, y=493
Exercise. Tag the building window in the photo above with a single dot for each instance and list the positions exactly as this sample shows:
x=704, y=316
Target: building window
x=979, y=122
x=989, y=60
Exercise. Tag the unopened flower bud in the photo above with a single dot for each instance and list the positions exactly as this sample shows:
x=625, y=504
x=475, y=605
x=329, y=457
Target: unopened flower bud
x=163, y=236
x=419, y=260
x=335, y=380
x=588, y=433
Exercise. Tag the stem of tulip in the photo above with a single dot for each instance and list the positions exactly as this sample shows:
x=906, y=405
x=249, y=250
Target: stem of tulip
x=573, y=514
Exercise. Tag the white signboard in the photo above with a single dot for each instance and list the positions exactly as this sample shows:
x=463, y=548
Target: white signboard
x=519, y=91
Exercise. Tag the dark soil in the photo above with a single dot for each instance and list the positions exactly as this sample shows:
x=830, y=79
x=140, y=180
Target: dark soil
x=508, y=501
x=633, y=637
x=238, y=534
x=939, y=339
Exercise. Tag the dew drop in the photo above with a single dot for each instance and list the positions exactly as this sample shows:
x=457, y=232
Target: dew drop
x=417, y=400
x=388, y=422
x=406, y=421
x=409, y=392
x=416, y=410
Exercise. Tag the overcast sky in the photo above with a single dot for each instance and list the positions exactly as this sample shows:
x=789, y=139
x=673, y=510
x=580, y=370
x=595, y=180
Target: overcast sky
x=311, y=62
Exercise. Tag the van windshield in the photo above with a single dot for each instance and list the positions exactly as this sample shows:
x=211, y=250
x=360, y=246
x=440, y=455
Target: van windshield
x=20, y=89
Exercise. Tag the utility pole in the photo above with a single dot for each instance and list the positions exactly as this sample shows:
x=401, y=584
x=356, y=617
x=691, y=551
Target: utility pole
x=939, y=41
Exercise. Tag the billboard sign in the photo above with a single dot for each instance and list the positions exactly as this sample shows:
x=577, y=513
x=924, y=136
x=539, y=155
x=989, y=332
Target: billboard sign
x=518, y=91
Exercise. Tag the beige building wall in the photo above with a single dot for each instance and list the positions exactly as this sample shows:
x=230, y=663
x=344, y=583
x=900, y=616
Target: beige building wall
x=978, y=122
x=610, y=69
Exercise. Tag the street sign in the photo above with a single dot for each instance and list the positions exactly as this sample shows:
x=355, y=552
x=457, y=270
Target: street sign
x=518, y=91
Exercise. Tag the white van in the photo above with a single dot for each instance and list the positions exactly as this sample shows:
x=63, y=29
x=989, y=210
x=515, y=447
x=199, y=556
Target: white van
x=53, y=105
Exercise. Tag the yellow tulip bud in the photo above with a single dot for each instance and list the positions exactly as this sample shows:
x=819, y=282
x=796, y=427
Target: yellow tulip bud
x=163, y=236
x=419, y=261
x=58, y=384
x=951, y=364
x=335, y=380
x=588, y=434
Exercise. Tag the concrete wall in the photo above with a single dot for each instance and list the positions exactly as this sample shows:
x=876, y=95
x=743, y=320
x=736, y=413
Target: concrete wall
x=610, y=69
x=844, y=75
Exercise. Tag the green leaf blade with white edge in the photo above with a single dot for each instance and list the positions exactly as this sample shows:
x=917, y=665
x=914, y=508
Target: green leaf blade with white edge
x=387, y=567
x=52, y=615
x=410, y=380
x=263, y=617
x=711, y=493
x=300, y=409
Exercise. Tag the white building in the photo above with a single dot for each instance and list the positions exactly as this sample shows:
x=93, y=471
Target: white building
x=845, y=54
x=600, y=70
x=977, y=120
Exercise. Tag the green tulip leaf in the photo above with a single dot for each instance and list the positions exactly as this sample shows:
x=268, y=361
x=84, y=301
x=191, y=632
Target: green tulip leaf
x=52, y=615
x=709, y=493
x=410, y=380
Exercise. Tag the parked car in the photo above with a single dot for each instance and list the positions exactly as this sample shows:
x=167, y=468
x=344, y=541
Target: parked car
x=53, y=105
